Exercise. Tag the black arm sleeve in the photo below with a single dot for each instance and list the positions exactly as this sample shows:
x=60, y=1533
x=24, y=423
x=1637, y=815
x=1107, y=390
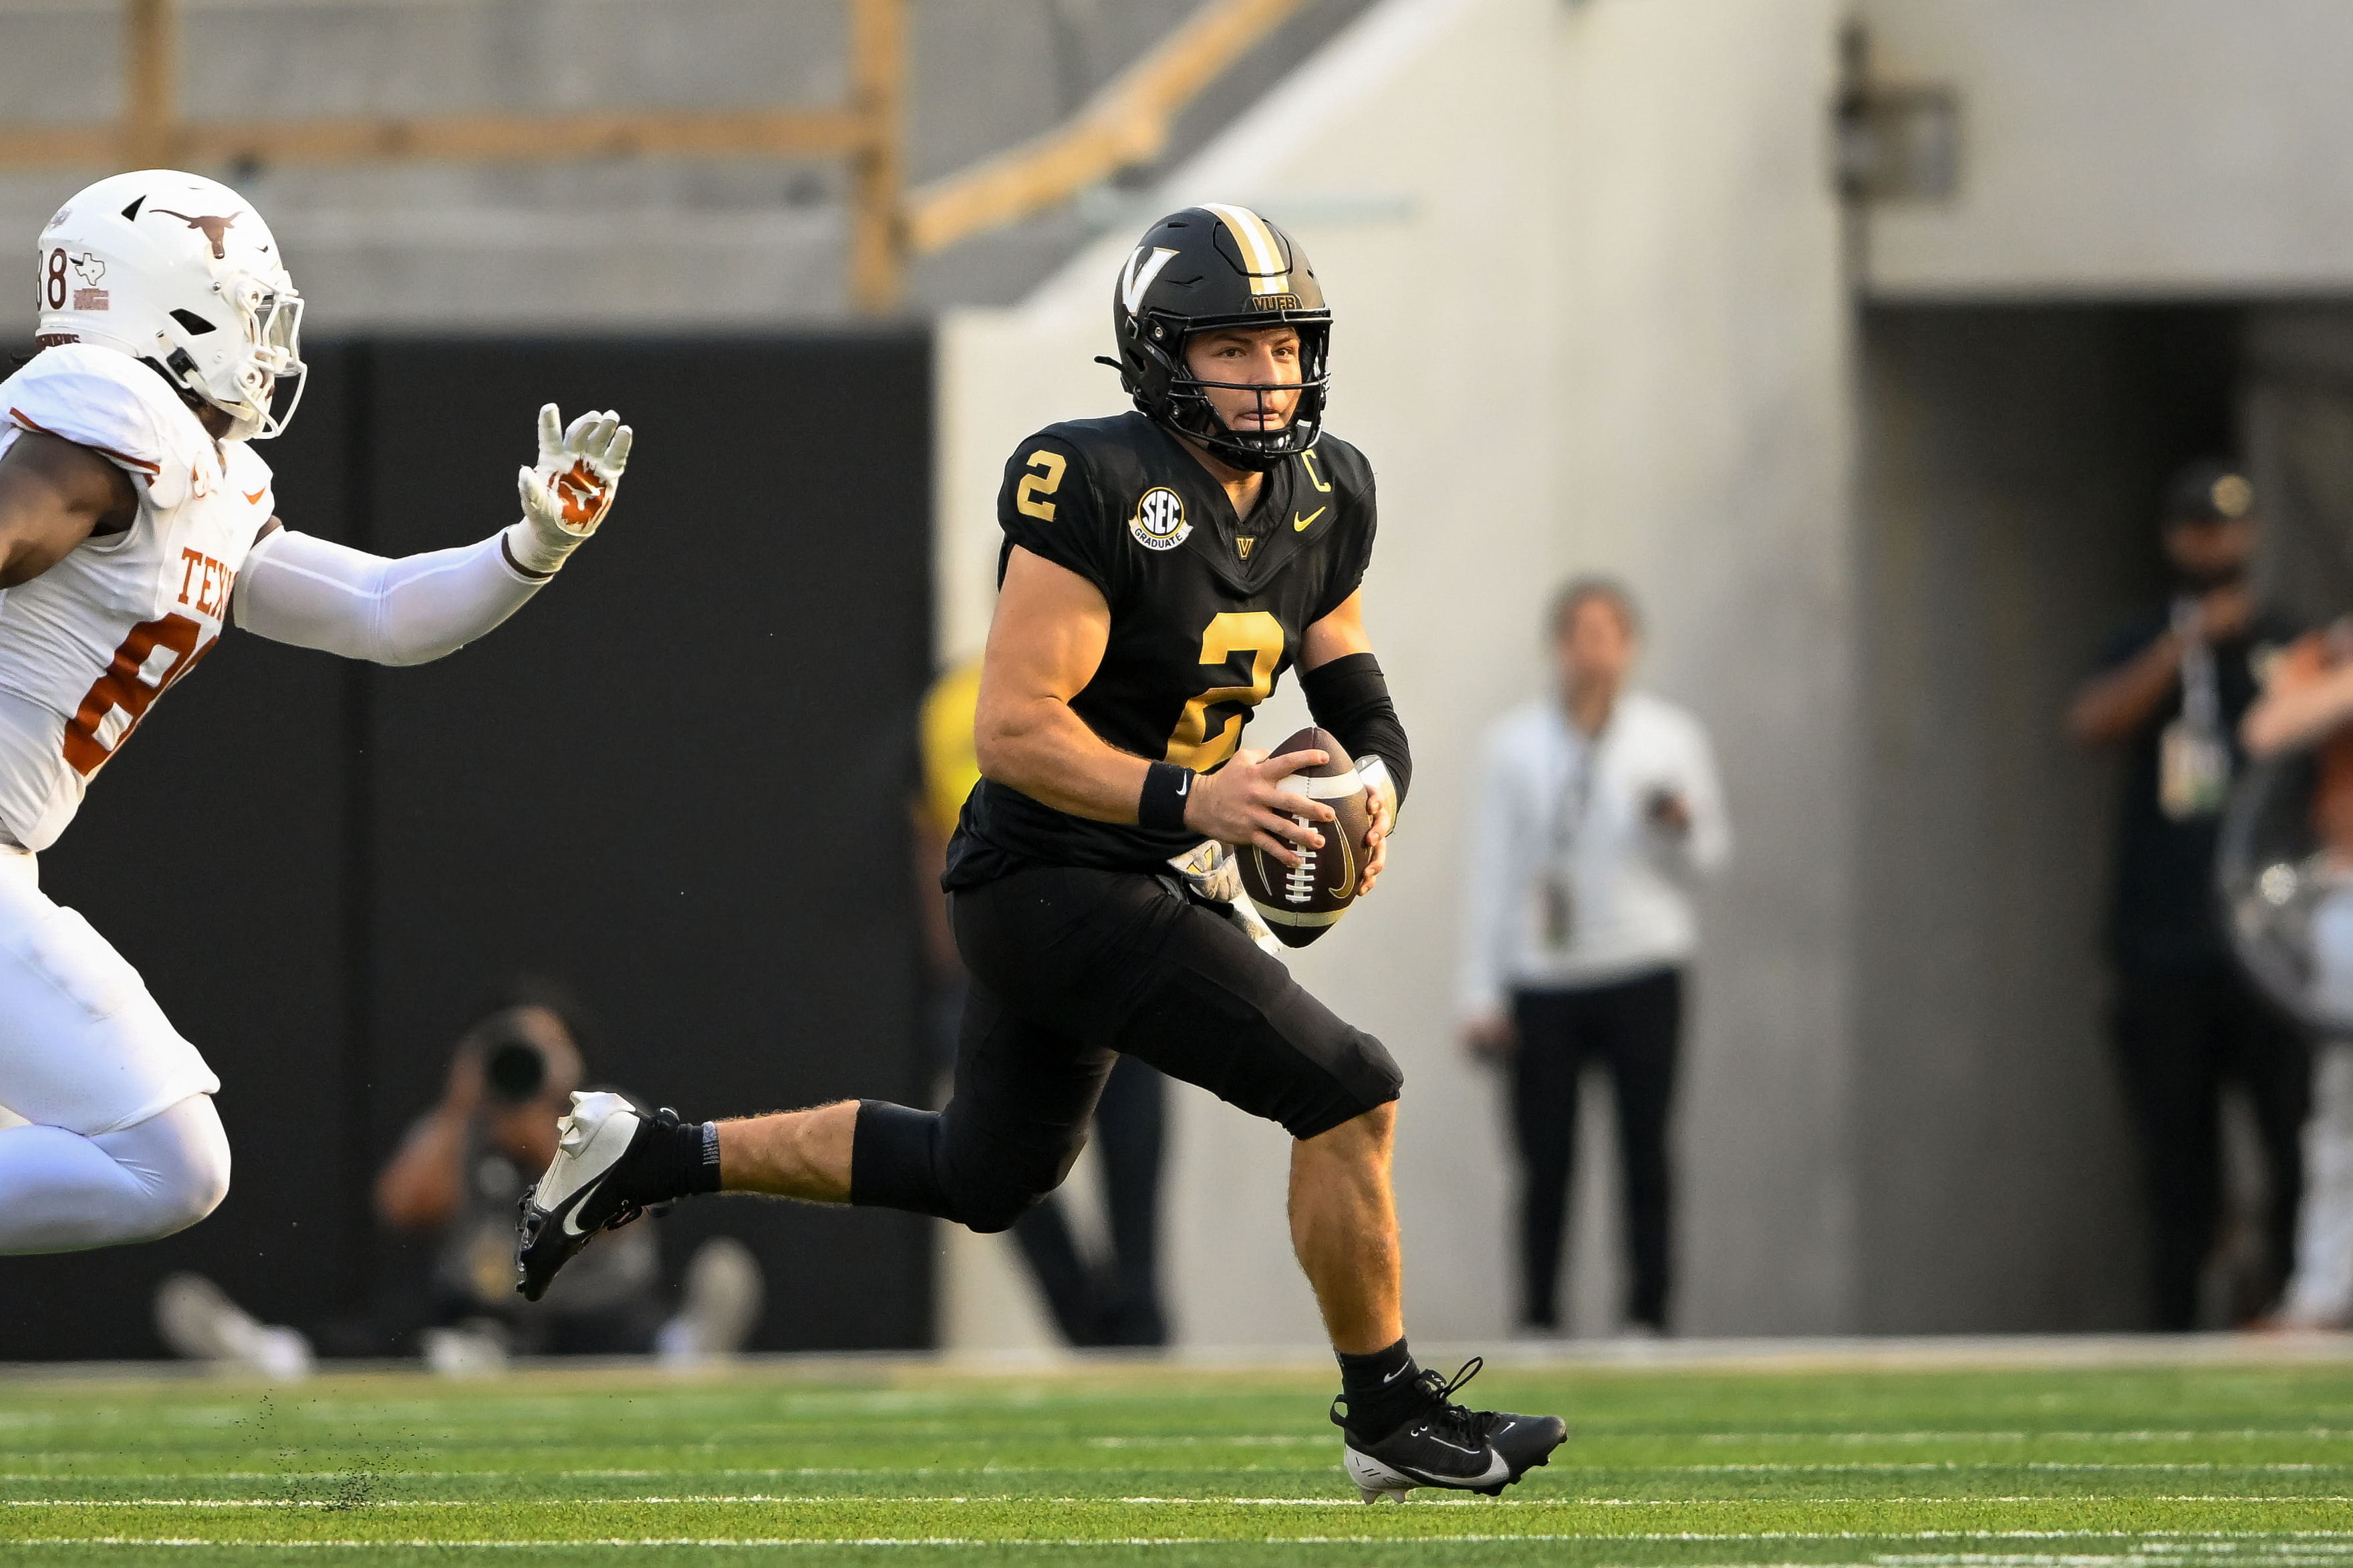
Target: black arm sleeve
x=1350, y=698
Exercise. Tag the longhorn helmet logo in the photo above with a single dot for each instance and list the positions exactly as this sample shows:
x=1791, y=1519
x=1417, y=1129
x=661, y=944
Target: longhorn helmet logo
x=216, y=228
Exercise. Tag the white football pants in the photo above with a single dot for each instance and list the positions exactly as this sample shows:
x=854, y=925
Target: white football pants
x=107, y=1128
x=61, y=1192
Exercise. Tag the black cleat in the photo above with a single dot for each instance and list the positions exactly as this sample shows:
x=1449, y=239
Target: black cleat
x=1446, y=1446
x=587, y=1186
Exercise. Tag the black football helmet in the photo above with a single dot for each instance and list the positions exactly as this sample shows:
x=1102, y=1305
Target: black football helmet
x=1208, y=267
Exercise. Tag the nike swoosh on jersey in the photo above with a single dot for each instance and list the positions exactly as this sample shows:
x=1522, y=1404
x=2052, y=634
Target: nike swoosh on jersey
x=253, y=498
x=1299, y=525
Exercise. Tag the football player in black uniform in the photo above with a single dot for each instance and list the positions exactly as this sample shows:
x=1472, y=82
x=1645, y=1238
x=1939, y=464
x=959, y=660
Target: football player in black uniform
x=1160, y=571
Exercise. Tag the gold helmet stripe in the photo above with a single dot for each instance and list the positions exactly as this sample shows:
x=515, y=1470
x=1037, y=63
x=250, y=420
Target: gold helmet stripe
x=1261, y=250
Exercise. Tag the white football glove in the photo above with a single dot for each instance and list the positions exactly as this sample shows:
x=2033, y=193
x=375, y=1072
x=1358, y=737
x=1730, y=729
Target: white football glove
x=567, y=494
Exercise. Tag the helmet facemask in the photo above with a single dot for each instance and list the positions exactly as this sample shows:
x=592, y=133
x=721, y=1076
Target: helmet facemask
x=239, y=374
x=1183, y=396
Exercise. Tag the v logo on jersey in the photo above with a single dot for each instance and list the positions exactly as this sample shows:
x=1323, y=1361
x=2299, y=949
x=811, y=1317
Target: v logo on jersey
x=1138, y=276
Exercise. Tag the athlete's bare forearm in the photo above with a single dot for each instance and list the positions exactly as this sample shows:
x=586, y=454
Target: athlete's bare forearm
x=1041, y=748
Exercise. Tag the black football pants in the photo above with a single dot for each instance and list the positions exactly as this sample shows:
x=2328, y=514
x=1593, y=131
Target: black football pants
x=1071, y=968
x=2180, y=1039
x=1631, y=1029
x=1117, y=1304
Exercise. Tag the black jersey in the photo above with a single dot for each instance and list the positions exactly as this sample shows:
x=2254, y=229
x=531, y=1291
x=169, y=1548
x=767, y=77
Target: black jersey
x=1206, y=611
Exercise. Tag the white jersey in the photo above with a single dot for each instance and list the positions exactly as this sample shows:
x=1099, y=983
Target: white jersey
x=88, y=647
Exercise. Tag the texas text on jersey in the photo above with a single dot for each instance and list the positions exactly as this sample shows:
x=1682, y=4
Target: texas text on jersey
x=1208, y=610
x=90, y=644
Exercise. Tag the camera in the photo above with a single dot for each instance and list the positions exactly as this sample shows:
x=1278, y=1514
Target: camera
x=513, y=1069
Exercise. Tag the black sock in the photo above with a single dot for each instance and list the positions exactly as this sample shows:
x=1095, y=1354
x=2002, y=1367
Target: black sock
x=1382, y=1391
x=681, y=1160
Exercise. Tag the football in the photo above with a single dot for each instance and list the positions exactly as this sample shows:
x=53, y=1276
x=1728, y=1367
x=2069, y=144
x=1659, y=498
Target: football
x=1302, y=902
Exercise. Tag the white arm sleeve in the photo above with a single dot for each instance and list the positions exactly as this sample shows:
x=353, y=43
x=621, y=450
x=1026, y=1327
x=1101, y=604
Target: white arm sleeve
x=312, y=593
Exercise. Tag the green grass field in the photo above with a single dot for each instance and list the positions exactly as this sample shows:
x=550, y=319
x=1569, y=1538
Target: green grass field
x=906, y=1465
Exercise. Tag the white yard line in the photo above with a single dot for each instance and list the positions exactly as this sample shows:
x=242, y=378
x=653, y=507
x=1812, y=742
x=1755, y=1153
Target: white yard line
x=2299, y=1539
x=766, y=1499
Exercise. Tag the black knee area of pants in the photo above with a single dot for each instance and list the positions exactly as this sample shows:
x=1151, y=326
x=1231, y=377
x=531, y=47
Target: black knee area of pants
x=989, y=1207
x=1365, y=1077
x=895, y=1163
x=893, y=1160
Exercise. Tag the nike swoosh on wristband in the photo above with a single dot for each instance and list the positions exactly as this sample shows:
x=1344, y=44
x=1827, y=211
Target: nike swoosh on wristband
x=1185, y=784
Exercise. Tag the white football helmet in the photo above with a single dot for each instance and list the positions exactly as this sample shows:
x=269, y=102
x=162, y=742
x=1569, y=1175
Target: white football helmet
x=180, y=270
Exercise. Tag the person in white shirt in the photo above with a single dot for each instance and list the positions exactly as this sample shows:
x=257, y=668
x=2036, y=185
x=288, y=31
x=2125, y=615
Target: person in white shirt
x=1599, y=813
x=137, y=524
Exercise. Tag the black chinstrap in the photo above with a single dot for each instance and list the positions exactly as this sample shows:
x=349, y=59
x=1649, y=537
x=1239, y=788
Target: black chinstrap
x=1190, y=413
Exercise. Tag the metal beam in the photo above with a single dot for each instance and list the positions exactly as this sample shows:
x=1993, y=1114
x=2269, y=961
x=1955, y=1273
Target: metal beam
x=1124, y=125
x=878, y=92
x=150, y=82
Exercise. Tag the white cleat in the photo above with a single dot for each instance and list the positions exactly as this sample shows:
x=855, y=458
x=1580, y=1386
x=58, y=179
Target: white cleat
x=586, y=1187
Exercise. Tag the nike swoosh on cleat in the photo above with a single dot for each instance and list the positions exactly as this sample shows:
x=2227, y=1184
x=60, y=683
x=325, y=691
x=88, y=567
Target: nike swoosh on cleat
x=579, y=1201
x=1299, y=525
x=1497, y=1471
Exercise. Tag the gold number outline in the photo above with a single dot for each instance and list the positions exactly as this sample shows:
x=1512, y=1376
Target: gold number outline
x=1045, y=484
x=1254, y=632
x=1307, y=458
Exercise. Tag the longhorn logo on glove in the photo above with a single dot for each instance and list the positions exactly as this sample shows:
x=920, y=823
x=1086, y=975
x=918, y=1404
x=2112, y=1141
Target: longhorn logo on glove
x=583, y=492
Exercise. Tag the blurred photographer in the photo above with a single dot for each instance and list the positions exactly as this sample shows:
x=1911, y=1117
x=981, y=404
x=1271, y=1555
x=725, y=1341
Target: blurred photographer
x=464, y=1166
x=457, y=1177
x=2171, y=696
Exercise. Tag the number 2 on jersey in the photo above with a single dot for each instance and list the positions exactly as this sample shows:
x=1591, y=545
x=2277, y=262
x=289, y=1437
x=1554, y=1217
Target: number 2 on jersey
x=1252, y=632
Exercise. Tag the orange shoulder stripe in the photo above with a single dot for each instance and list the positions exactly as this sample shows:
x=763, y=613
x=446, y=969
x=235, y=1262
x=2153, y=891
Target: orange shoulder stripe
x=21, y=417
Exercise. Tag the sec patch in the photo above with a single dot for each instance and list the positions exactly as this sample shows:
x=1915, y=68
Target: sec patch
x=1160, y=520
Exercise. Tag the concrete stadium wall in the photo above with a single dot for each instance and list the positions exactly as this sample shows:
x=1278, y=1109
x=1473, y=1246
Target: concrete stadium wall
x=1586, y=268
x=2125, y=147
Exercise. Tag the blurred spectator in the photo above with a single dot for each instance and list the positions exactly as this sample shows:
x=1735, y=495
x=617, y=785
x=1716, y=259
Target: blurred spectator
x=1599, y=813
x=457, y=1177
x=2308, y=702
x=2173, y=689
x=1117, y=1303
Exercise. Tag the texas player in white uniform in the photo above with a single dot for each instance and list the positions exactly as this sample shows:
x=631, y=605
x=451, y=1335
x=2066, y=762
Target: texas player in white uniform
x=136, y=523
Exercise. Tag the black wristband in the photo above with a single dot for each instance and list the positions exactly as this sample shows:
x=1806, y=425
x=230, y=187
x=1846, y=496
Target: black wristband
x=1166, y=788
